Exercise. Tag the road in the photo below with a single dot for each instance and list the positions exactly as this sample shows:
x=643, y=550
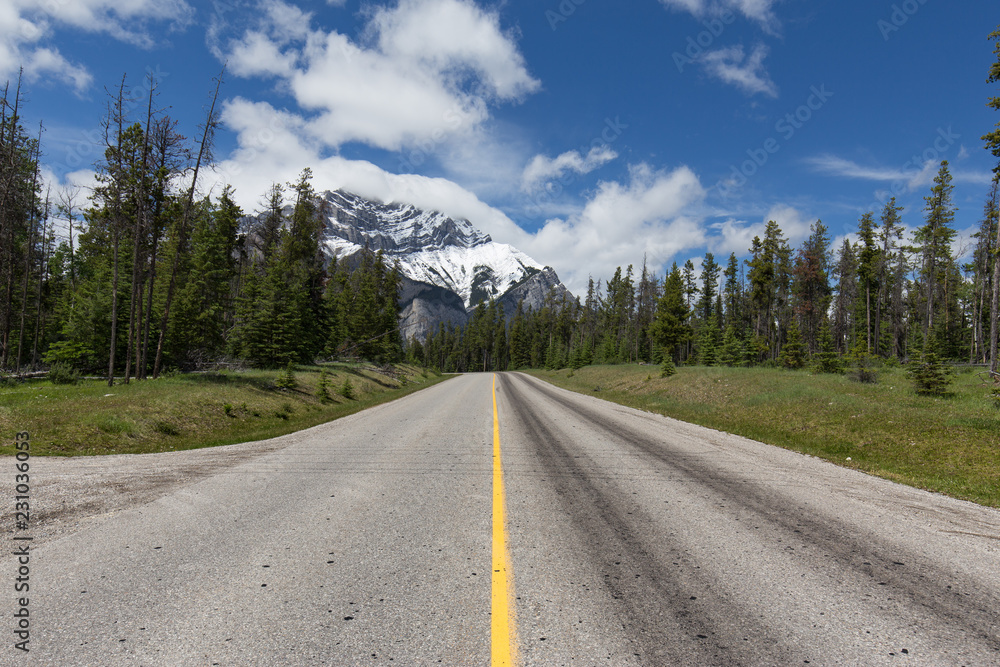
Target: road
x=631, y=539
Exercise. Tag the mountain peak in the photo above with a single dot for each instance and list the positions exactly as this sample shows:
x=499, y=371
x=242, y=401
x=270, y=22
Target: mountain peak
x=395, y=228
x=448, y=265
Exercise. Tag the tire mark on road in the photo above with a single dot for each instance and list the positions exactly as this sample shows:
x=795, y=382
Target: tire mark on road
x=948, y=595
x=671, y=613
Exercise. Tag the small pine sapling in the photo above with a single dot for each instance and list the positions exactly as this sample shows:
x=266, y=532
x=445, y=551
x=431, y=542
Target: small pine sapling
x=287, y=379
x=323, y=387
x=347, y=390
x=931, y=377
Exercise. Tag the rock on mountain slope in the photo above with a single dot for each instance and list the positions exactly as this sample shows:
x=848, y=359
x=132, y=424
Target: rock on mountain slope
x=449, y=266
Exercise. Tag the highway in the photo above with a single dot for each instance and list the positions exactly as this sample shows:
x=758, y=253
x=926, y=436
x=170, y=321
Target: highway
x=625, y=538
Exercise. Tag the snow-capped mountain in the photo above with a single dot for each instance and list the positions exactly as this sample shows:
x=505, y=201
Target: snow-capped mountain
x=430, y=246
x=450, y=266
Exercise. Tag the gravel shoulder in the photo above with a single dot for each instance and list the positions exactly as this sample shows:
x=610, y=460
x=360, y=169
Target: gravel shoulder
x=67, y=494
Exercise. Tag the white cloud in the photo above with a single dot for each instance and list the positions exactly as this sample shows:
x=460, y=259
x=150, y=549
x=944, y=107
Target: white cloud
x=271, y=149
x=755, y=10
x=621, y=223
x=425, y=71
x=28, y=32
x=908, y=178
x=736, y=236
x=746, y=72
x=453, y=39
x=543, y=168
x=837, y=166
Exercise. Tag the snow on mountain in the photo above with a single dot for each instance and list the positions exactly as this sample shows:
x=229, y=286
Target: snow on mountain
x=430, y=246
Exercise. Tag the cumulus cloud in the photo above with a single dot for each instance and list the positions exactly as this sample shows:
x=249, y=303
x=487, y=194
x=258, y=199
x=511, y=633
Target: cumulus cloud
x=735, y=236
x=746, y=72
x=421, y=72
x=28, y=32
x=621, y=223
x=649, y=213
x=542, y=168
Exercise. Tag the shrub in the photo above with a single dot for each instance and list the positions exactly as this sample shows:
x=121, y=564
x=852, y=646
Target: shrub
x=63, y=373
x=115, y=425
x=166, y=428
x=667, y=368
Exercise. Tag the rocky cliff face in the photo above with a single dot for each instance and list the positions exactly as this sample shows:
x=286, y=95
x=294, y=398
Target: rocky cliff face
x=449, y=266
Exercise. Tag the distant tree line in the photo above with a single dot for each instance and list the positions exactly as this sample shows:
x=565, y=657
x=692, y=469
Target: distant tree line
x=146, y=275
x=876, y=298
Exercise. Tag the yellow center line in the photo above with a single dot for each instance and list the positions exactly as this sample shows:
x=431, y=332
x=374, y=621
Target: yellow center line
x=504, y=649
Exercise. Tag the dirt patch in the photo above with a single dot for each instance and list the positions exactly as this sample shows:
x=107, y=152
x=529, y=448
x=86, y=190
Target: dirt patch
x=68, y=493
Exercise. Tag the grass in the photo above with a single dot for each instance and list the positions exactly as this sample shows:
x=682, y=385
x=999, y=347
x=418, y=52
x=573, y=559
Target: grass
x=950, y=444
x=189, y=411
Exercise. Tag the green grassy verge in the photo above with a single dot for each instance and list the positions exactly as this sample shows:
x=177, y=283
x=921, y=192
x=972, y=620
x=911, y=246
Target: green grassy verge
x=189, y=411
x=950, y=445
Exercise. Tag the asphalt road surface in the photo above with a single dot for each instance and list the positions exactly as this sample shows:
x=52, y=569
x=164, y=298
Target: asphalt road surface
x=632, y=540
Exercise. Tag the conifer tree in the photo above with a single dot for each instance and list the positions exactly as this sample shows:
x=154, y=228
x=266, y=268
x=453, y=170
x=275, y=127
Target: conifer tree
x=890, y=283
x=669, y=329
x=935, y=244
x=930, y=376
x=793, y=354
x=708, y=344
x=732, y=348
x=827, y=359
x=811, y=286
x=993, y=144
x=868, y=260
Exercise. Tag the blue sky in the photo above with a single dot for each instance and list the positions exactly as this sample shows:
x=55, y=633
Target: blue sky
x=587, y=133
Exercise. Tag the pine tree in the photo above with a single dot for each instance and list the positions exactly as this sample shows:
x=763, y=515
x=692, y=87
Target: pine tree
x=287, y=378
x=868, y=261
x=669, y=329
x=935, y=243
x=930, y=376
x=708, y=344
x=847, y=291
x=323, y=387
x=811, y=285
x=827, y=359
x=890, y=283
x=709, y=285
x=734, y=293
x=993, y=144
x=793, y=351
x=992, y=139
x=732, y=348
x=347, y=389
